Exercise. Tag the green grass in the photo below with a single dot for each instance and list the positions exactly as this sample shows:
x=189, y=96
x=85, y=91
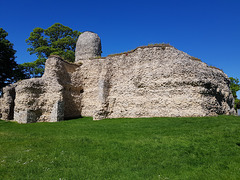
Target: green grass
x=144, y=148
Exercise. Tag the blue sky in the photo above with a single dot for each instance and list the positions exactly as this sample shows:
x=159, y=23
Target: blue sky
x=207, y=29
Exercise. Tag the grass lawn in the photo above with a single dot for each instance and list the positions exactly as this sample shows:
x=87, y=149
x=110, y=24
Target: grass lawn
x=144, y=148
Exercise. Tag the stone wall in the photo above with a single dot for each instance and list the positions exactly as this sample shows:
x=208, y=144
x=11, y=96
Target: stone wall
x=150, y=81
x=50, y=98
x=153, y=82
x=67, y=77
x=7, y=102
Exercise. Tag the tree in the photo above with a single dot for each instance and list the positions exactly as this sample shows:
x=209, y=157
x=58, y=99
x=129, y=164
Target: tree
x=235, y=86
x=55, y=40
x=9, y=70
x=33, y=69
x=237, y=104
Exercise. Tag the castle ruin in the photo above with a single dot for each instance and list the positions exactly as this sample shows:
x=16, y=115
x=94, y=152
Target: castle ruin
x=149, y=81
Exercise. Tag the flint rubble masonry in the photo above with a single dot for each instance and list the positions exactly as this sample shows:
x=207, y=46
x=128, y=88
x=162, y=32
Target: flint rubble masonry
x=150, y=81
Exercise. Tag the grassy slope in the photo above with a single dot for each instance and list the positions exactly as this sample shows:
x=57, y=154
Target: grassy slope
x=144, y=148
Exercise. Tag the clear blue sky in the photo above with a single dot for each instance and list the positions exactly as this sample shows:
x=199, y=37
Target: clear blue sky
x=207, y=29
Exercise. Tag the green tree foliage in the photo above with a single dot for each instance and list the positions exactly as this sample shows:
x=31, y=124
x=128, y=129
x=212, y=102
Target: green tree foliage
x=9, y=70
x=237, y=104
x=235, y=86
x=33, y=69
x=55, y=40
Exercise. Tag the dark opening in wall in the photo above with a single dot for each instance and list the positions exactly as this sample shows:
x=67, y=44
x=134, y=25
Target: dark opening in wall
x=12, y=93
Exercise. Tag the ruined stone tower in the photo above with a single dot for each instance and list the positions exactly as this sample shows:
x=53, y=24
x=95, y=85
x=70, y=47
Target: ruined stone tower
x=88, y=46
x=149, y=81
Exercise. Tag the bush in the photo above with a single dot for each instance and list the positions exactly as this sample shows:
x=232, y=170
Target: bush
x=237, y=104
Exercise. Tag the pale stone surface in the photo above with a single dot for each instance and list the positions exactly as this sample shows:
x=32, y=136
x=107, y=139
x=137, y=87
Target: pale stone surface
x=152, y=81
x=44, y=99
x=88, y=46
x=35, y=99
x=57, y=113
x=7, y=102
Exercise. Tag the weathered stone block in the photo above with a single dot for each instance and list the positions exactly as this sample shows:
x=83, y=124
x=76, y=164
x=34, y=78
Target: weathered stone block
x=57, y=113
x=26, y=116
x=88, y=46
x=7, y=102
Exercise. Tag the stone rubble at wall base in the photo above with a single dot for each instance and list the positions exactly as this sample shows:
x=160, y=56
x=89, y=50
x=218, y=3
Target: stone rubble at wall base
x=150, y=81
